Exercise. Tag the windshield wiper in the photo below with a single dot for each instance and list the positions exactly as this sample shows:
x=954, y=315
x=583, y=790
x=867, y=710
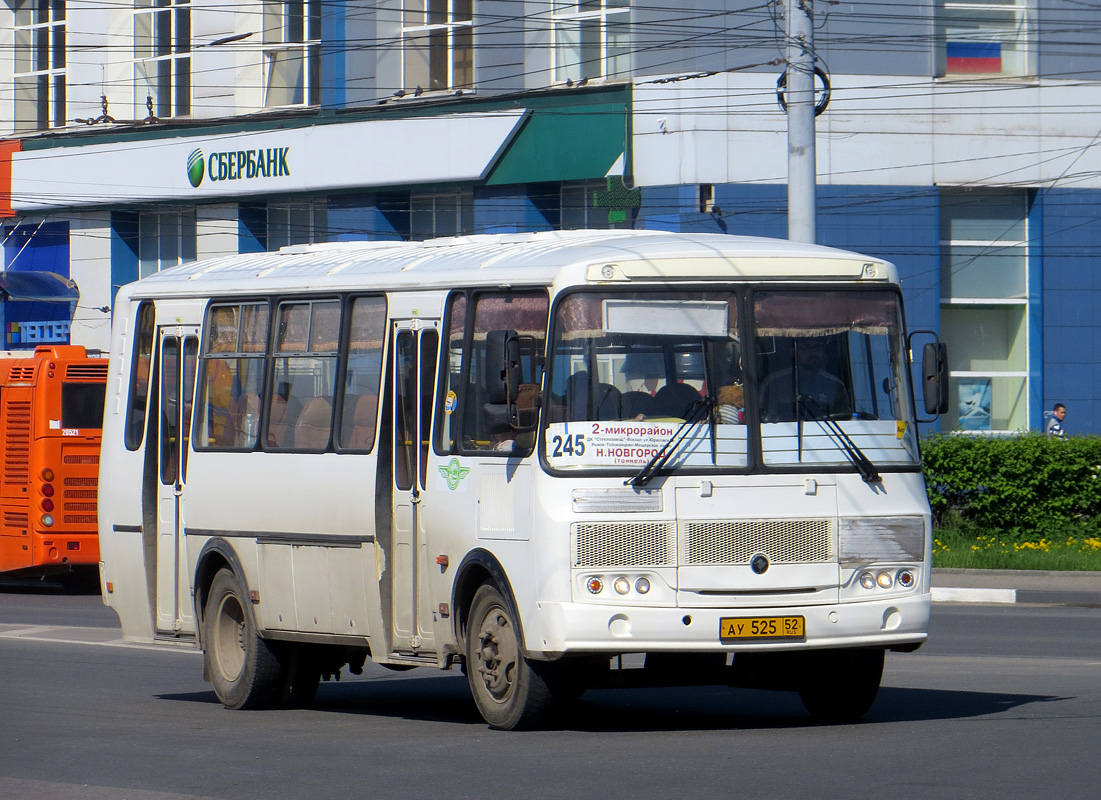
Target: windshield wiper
x=696, y=412
x=862, y=463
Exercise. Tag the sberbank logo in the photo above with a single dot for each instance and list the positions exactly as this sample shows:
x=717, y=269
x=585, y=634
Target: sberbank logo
x=195, y=167
x=237, y=165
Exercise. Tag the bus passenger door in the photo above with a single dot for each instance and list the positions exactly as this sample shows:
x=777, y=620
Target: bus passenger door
x=414, y=344
x=178, y=356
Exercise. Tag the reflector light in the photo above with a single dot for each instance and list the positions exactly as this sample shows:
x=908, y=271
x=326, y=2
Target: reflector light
x=905, y=578
x=642, y=586
x=594, y=585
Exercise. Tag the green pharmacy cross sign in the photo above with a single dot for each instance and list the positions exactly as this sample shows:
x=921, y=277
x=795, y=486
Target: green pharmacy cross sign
x=617, y=199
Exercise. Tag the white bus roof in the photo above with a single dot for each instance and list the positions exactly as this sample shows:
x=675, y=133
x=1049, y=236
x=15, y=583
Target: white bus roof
x=516, y=259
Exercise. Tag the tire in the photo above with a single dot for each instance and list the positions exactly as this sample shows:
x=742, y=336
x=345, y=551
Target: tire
x=841, y=685
x=299, y=677
x=510, y=691
x=242, y=667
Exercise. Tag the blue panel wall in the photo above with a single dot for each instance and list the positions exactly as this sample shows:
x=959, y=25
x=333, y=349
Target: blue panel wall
x=510, y=209
x=124, y=249
x=359, y=218
x=252, y=227
x=1071, y=299
x=333, y=49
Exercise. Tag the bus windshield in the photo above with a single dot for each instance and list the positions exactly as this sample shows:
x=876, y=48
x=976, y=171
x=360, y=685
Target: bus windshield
x=807, y=379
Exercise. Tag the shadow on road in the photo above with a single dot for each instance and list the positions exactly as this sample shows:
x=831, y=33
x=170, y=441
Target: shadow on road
x=447, y=699
x=82, y=582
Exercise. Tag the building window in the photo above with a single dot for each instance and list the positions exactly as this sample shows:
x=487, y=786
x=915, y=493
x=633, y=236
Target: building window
x=39, y=64
x=162, y=57
x=297, y=223
x=985, y=37
x=437, y=43
x=292, y=52
x=435, y=214
x=591, y=39
x=165, y=239
x=578, y=209
x=984, y=308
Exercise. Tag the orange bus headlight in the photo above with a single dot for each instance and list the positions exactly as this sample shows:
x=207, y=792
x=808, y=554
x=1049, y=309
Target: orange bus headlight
x=48, y=520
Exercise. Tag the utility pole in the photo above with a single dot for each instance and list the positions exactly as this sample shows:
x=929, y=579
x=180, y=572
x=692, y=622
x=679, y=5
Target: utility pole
x=799, y=95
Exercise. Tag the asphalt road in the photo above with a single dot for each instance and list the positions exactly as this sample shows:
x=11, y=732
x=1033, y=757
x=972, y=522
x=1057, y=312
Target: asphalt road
x=1003, y=702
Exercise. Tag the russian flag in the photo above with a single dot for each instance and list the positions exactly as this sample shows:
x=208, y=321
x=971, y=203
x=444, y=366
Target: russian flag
x=974, y=57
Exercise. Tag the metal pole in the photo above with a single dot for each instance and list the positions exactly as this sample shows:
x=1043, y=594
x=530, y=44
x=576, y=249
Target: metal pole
x=800, y=111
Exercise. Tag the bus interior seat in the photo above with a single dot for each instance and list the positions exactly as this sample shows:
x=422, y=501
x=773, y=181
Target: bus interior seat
x=673, y=399
x=635, y=403
x=284, y=414
x=360, y=421
x=311, y=430
x=606, y=399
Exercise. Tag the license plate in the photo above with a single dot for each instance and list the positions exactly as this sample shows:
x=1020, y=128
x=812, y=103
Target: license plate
x=762, y=628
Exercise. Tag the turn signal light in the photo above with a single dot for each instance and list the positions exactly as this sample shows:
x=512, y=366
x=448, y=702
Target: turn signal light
x=594, y=585
x=47, y=474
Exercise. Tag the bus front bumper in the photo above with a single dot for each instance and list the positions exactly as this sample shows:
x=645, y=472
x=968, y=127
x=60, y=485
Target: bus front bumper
x=572, y=628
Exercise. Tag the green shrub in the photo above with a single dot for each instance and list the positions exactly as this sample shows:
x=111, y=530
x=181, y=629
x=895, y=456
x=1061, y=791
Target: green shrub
x=1022, y=485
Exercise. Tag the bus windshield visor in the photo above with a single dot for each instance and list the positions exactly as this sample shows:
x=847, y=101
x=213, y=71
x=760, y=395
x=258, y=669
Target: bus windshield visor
x=813, y=375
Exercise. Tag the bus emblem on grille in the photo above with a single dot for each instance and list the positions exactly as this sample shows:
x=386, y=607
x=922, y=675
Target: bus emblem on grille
x=759, y=564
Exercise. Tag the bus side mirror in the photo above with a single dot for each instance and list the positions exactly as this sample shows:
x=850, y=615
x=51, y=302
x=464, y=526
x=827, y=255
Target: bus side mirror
x=501, y=382
x=502, y=367
x=934, y=377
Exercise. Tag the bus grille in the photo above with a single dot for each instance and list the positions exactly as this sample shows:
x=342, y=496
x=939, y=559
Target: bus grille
x=16, y=519
x=17, y=443
x=87, y=371
x=70, y=459
x=80, y=519
x=72, y=481
x=81, y=494
x=626, y=544
x=20, y=374
x=784, y=541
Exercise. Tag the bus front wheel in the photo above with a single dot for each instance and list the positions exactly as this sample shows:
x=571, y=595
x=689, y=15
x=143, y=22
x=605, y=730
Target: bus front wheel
x=841, y=685
x=509, y=690
x=242, y=667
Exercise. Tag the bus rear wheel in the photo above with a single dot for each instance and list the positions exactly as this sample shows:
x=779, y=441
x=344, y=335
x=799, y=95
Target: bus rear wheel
x=841, y=685
x=242, y=667
x=509, y=690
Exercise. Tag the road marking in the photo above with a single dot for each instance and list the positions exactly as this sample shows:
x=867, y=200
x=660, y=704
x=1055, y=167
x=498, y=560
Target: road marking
x=102, y=637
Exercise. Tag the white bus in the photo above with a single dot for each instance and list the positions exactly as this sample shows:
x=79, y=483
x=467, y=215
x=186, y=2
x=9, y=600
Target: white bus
x=559, y=460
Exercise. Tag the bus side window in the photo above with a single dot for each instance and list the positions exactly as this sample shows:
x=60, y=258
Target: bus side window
x=232, y=378
x=525, y=313
x=362, y=373
x=142, y=360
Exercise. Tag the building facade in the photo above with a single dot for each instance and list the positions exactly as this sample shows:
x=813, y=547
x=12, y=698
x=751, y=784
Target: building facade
x=960, y=141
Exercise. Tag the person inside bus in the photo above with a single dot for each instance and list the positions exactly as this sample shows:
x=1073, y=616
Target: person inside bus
x=731, y=395
x=806, y=390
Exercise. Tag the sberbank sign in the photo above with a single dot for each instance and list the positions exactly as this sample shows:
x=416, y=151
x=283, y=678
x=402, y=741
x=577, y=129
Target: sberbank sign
x=237, y=165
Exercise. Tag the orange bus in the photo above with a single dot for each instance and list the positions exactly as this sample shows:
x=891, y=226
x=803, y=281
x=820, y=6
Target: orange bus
x=51, y=414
